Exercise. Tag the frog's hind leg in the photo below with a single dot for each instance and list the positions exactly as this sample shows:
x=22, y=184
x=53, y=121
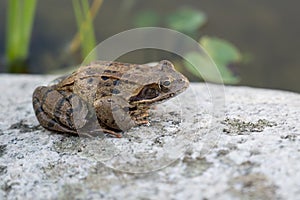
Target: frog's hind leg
x=55, y=110
x=52, y=110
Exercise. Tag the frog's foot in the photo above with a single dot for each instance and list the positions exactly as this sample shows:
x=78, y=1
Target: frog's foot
x=138, y=115
x=110, y=132
x=143, y=115
x=142, y=122
x=48, y=104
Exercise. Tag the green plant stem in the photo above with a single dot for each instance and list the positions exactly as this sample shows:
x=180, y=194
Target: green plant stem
x=28, y=16
x=20, y=16
x=75, y=44
x=84, y=21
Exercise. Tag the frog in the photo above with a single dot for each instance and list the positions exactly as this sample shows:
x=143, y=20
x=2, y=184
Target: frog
x=118, y=95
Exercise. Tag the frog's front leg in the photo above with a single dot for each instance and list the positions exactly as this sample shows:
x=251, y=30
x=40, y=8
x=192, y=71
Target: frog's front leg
x=113, y=112
x=55, y=109
x=140, y=116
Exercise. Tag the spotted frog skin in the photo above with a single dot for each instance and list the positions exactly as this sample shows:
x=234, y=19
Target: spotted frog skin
x=117, y=95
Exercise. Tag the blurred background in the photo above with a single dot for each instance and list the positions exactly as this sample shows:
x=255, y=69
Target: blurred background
x=254, y=43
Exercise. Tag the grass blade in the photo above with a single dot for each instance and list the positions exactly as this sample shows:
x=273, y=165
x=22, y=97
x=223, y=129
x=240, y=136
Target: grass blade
x=20, y=16
x=12, y=27
x=28, y=16
x=84, y=18
x=85, y=26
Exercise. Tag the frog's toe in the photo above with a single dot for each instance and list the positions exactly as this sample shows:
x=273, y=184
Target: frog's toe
x=142, y=122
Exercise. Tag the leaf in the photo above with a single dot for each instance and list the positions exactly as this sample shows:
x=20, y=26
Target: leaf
x=223, y=54
x=202, y=66
x=186, y=20
x=146, y=18
x=220, y=50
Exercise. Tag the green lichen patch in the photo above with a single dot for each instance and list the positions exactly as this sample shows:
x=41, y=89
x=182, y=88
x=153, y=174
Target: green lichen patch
x=240, y=127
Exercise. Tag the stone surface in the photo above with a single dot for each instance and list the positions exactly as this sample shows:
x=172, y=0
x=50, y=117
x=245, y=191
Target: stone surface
x=252, y=151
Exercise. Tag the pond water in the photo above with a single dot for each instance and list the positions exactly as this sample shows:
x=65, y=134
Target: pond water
x=266, y=30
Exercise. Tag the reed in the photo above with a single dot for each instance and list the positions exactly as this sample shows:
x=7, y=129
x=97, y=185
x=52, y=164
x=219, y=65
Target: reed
x=20, y=17
x=84, y=18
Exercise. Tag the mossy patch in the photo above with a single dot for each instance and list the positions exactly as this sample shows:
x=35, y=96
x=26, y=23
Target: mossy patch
x=240, y=127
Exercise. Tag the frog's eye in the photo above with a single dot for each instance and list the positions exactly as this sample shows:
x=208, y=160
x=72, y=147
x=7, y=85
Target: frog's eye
x=166, y=83
x=149, y=93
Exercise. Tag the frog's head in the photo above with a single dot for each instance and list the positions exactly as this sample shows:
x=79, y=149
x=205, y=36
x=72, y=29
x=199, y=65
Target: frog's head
x=161, y=83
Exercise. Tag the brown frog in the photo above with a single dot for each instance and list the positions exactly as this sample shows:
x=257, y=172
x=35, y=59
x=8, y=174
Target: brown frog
x=117, y=95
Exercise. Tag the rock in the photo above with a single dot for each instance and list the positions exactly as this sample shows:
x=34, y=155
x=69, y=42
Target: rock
x=248, y=150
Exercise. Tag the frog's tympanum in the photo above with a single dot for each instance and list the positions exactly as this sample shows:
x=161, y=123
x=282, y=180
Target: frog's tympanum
x=117, y=95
